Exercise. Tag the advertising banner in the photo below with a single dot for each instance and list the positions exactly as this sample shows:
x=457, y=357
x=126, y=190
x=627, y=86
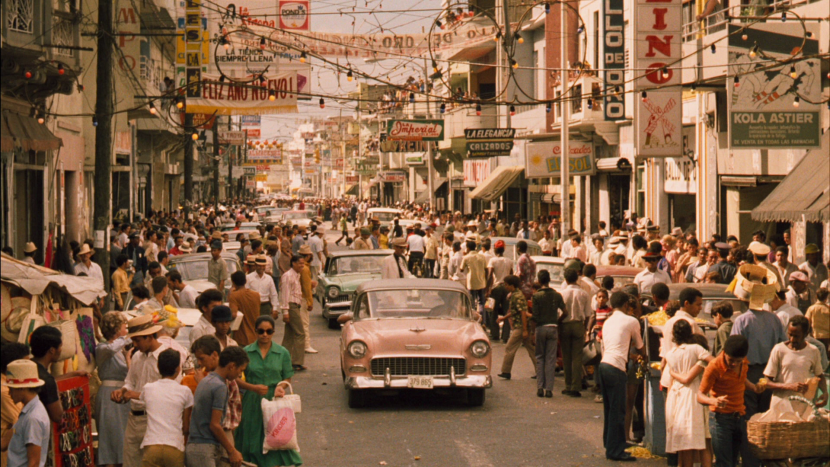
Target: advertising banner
x=680, y=175
x=246, y=171
x=242, y=99
x=249, y=121
x=771, y=107
x=265, y=155
x=416, y=130
x=405, y=146
x=294, y=15
x=414, y=159
x=489, y=142
x=543, y=159
x=391, y=177
x=352, y=178
x=613, y=36
x=253, y=132
x=658, y=49
x=475, y=172
x=231, y=137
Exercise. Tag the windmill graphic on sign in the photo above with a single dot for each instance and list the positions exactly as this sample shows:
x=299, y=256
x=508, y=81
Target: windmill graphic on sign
x=657, y=118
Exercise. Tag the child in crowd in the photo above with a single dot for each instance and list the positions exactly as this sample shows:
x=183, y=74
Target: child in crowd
x=601, y=313
x=168, y=406
x=28, y=442
x=221, y=317
x=722, y=314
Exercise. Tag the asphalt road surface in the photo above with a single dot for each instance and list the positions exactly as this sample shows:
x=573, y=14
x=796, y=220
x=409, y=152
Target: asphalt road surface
x=421, y=428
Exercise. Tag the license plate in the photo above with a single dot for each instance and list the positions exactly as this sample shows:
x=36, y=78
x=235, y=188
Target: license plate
x=420, y=382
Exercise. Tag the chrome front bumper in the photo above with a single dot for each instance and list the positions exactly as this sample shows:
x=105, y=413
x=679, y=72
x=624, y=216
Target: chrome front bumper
x=402, y=382
x=337, y=309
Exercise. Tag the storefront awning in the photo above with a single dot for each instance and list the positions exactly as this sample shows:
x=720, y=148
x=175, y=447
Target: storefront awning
x=804, y=194
x=19, y=131
x=351, y=190
x=497, y=182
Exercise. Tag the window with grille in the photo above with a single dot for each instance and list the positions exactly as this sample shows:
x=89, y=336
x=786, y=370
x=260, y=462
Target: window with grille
x=20, y=15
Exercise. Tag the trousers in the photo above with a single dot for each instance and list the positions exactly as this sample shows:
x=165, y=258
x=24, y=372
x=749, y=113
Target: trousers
x=294, y=338
x=613, y=382
x=572, y=336
x=546, y=339
x=728, y=432
x=204, y=455
x=133, y=436
x=755, y=403
x=160, y=455
x=516, y=340
x=306, y=312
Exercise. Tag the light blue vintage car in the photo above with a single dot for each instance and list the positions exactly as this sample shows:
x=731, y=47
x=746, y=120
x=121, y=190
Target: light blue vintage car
x=343, y=273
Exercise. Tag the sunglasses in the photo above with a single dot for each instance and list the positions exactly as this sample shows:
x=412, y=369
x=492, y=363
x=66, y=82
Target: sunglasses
x=265, y=331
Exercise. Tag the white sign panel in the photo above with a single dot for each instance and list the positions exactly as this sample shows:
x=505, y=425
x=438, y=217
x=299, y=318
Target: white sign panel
x=543, y=159
x=658, y=49
x=476, y=171
x=680, y=175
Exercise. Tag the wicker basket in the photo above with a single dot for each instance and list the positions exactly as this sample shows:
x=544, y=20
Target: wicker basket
x=789, y=440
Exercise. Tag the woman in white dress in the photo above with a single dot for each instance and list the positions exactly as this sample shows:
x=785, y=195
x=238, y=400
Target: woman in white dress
x=687, y=427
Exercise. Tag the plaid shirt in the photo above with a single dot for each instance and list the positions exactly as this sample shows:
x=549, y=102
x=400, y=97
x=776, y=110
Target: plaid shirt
x=233, y=414
x=527, y=274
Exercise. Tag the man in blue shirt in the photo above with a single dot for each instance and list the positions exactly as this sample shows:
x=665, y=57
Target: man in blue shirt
x=29, y=441
x=207, y=442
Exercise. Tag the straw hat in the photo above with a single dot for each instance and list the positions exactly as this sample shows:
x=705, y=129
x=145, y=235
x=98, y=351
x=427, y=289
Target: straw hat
x=261, y=259
x=142, y=326
x=30, y=247
x=399, y=242
x=254, y=235
x=799, y=276
x=305, y=250
x=811, y=249
x=185, y=249
x=85, y=250
x=754, y=284
x=23, y=374
x=758, y=248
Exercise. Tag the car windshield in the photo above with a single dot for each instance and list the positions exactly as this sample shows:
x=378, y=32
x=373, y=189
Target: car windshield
x=623, y=280
x=418, y=303
x=385, y=216
x=738, y=307
x=198, y=270
x=511, y=252
x=555, y=271
x=369, y=264
x=295, y=215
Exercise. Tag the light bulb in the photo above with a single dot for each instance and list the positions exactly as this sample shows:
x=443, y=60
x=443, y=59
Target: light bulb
x=272, y=96
x=152, y=108
x=41, y=120
x=179, y=103
x=643, y=95
x=302, y=57
x=665, y=72
x=194, y=136
x=744, y=37
x=322, y=103
x=61, y=71
x=713, y=48
x=514, y=64
x=547, y=7
x=478, y=109
x=547, y=108
x=28, y=74
x=793, y=73
x=512, y=110
x=349, y=75
x=519, y=38
x=443, y=108
x=590, y=103
x=737, y=82
x=753, y=51
x=796, y=101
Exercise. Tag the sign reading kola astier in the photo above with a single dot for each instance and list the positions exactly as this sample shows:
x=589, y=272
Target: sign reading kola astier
x=771, y=107
x=659, y=121
x=415, y=130
x=544, y=159
x=489, y=142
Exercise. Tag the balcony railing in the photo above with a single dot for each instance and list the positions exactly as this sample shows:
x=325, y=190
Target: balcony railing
x=718, y=20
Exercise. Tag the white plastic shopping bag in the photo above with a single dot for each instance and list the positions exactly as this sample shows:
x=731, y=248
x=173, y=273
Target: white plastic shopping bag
x=279, y=422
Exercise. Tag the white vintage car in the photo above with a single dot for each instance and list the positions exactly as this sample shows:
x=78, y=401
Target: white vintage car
x=416, y=334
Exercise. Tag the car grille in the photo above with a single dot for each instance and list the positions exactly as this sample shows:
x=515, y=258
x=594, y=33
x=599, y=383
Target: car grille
x=341, y=298
x=420, y=366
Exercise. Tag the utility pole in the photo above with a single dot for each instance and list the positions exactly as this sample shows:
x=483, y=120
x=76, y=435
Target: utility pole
x=229, y=188
x=216, y=161
x=103, y=139
x=508, y=40
x=188, y=164
x=565, y=182
x=430, y=167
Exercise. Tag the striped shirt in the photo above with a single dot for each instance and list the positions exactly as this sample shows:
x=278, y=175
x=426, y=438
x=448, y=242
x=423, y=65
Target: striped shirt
x=290, y=288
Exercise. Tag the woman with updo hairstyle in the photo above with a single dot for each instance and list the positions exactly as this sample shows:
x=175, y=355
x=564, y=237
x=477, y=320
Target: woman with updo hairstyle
x=687, y=422
x=111, y=417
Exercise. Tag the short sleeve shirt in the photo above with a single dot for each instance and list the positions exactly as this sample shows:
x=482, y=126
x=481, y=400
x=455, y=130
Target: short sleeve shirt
x=211, y=394
x=32, y=427
x=49, y=391
x=518, y=305
x=217, y=271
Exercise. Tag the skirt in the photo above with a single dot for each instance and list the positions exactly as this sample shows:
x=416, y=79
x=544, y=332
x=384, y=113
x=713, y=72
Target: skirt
x=111, y=422
x=250, y=434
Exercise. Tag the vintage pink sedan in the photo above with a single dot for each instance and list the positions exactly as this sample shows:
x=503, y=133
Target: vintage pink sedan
x=417, y=334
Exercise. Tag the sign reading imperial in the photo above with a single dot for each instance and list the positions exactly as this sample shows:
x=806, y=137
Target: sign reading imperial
x=416, y=130
x=489, y=142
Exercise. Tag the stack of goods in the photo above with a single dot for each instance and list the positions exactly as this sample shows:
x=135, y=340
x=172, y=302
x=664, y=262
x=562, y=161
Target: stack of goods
x=73, y=436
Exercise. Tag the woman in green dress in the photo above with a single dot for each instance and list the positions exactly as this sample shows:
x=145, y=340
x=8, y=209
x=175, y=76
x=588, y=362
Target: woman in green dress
x=269, y=365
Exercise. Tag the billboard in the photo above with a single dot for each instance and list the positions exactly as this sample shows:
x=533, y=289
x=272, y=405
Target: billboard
x=416, y=130
x=294, y=15
x=774, y=107
x=489, y=142
x=543, y=159
x=613, y=36
x=240, y=99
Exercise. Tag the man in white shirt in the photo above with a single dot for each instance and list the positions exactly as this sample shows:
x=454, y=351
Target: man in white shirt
x=143, y=370
x=394, y=265
x=783, y=265
x=263, y=284
x=618, y=333
x=315, y=242
x=86, y=266
x=546, y=244
x=572, y=331
x=456, y=258
x=499, y=267
x=208, y=300
x=816, y=272
x=565, y=250
x=185, y=294
x=691, y=302
x=416, y=245
x=651, y=275
x=783, y=310
x=475, y=266
x=431, y=246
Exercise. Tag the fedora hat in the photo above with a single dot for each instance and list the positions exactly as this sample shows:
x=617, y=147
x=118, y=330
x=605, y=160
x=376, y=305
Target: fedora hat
x=254, y=235
x=143, y=325
x=811, y=249
x=185, y=249
x=677, y=232
x=250, y=260
x=23, y=374
x=216, y=235
x=799, y=276
x=399, y=242
x=85, y=250
x=758, y=248
x=261, y=259
x=29, y=248
x=305, y=250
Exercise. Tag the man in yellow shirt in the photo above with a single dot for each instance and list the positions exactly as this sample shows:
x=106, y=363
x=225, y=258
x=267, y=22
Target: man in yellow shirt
x=383, y=239
x=121, y=280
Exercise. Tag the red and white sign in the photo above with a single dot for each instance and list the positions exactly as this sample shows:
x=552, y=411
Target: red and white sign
x=409, y=130
x=391, y=177
x=294, y=15
x=254, y=132
x=243, y=99
x=231, y=137
x=476, y=171
x=255, y=155
x=352, y=178
x=658, y=49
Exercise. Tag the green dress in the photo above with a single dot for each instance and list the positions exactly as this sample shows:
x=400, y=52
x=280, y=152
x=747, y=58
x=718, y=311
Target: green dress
x=250, y=434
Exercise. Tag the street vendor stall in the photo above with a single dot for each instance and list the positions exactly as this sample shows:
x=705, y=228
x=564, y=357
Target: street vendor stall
x=34, y=296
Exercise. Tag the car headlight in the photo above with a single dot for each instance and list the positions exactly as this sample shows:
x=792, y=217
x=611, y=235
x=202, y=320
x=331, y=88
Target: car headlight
x=357, y=349
x=333, y=292
x=480, y=349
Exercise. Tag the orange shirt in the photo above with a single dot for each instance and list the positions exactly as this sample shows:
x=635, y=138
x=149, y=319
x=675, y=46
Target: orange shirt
x=718, y=380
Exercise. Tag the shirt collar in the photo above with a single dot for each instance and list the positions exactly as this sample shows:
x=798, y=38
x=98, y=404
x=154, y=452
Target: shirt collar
x=30, y=405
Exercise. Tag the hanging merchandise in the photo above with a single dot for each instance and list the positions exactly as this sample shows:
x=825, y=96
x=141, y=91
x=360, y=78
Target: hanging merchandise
x=73, y=435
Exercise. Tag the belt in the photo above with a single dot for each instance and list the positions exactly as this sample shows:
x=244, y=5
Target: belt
x=138, y=413
x=109, y=383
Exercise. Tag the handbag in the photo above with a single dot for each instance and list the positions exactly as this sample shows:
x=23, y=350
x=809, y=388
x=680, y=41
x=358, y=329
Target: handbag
x=279, y=422
x=591, y=352
x=69, y=336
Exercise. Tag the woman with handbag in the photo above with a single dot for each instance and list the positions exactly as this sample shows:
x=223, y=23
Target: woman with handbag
x=111, y=417
x=269, y=364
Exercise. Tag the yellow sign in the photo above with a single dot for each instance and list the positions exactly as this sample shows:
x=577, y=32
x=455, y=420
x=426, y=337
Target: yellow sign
x=261, y=177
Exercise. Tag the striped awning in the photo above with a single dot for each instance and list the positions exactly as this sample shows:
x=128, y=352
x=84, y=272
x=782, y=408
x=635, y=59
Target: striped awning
x=20, y=131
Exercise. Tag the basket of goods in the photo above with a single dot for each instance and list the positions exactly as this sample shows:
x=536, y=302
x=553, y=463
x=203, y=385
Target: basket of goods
x=792, y=429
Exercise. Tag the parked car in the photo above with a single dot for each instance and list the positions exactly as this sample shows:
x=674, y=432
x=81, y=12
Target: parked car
x=554, y=265
x=343, y=272
x=712, y=295
x=300, y=218
x=194, y=269
x=623, y=275
x=533, y=248
x=385, y=215
x=417, y=334
x=232, y=234
x=242, y=226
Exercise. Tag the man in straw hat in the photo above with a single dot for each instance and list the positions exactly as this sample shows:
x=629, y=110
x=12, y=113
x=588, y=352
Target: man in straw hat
x=29, y=253
x=760, y=252
x=816, y=272
x=28, y=442
x=86, y=266
x=394, y=265
x=143, y=331
x=263, y=284
x=757, y=286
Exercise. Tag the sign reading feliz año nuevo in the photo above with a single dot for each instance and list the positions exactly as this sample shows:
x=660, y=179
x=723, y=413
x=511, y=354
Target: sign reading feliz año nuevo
x=416, y=130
